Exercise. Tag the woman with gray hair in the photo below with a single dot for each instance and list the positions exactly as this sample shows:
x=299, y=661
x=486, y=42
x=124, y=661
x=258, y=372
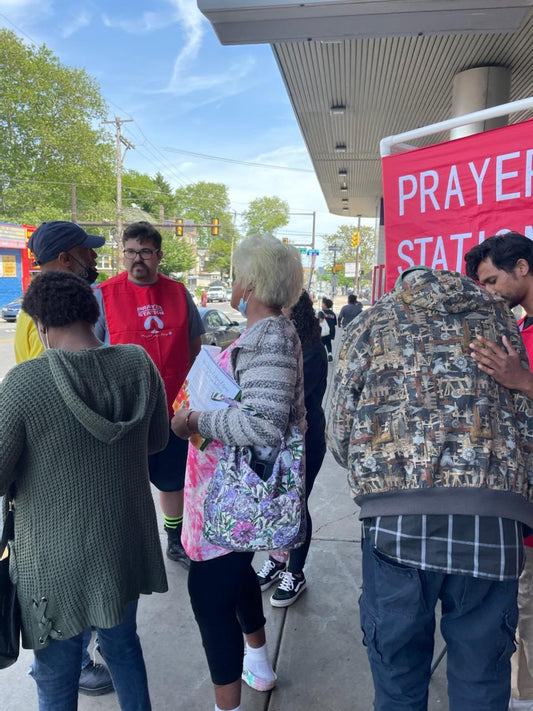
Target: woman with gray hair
x=266, y=361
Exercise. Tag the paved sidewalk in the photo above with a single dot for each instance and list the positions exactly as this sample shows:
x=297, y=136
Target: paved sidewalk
x=316, y=644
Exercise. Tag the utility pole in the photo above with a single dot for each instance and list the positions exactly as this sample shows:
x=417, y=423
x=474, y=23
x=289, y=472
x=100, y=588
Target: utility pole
x=121, y=141
x=334, y=248
x=232, y=248
x=357, y=257
x=74, y=216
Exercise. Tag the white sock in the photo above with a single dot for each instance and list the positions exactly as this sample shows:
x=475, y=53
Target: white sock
x=256, y=660
x=237, y=708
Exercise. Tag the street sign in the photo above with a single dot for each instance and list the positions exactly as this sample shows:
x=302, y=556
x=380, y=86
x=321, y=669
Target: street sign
x=349, y=269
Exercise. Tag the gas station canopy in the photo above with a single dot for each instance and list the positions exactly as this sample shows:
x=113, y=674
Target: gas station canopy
x=357, y=71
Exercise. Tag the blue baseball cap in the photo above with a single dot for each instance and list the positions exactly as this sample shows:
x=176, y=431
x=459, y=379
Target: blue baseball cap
x=52, y=238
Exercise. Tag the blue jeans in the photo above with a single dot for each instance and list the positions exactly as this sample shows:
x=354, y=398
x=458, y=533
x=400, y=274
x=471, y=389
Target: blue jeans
x=478, y=623
x=56, y=669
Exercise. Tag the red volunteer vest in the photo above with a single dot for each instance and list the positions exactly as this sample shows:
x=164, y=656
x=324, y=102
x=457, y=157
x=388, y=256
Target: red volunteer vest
x=154, y=317
x=527, y=337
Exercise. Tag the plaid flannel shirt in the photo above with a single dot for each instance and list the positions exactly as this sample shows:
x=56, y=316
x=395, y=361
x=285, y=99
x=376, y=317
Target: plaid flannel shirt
x=480, y=546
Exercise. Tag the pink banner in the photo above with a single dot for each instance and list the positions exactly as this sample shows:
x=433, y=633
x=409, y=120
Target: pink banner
x=442, y=200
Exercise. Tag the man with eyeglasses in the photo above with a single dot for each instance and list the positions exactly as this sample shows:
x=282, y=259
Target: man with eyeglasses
x=142, y=306
x=63, y=246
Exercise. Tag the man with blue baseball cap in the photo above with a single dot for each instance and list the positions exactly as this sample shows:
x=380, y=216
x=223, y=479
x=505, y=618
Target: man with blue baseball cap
x=64, y=246
x=56, y=246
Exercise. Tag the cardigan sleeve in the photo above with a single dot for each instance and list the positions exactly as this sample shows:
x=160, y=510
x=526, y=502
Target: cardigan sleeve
x=158, y=431
x=268, y=376
x=12, y=429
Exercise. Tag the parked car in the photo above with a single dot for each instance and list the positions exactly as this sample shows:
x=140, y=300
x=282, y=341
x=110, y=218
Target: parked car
x=10, y=312
x=219, y=329
x=216, y=293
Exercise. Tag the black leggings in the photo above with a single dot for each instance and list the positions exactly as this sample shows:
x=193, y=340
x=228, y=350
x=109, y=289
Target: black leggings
x=326, y=340
x=298, y=555
x=226, y=601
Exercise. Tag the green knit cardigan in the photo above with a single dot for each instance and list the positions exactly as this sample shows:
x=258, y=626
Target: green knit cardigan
x=76, y=429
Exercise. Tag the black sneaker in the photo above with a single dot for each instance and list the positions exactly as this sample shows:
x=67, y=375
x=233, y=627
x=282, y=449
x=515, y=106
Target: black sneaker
x=269, y=573
x=330, y=357
x=95, y=680
x=175, y=551
x=289, y=590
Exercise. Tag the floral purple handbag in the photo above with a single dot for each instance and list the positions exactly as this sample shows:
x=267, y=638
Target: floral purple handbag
x=245, y=512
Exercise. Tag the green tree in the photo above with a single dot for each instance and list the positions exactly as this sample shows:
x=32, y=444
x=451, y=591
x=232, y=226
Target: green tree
x=51, y=135
x=219, y=257
x=266, y=215
x=343, y=239
x=178, y=256
x=148, y=193
x=201, y=202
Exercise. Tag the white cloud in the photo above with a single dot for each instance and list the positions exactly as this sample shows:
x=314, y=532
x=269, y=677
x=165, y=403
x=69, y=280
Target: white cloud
x=81, y=20
x=184, y=11
x=24, y=13
x=194, y=25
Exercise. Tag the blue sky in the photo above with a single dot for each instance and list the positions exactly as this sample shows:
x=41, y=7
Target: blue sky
x=161, y=64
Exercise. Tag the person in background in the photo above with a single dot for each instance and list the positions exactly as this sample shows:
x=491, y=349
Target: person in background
x=349, y=311
x=291, y=577
x=142, y=306
x=66, y=247
x=266, y=361
x=503, y=264
x=76, y=448
x=331, y=320
x=439, y=458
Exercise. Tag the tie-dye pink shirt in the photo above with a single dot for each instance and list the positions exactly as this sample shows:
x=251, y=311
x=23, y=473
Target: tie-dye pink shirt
x=200, y=469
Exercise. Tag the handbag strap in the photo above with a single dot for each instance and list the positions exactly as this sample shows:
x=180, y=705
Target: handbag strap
x=8, y=529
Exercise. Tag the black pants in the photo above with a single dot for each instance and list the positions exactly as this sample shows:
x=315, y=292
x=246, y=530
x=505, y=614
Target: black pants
x=226, y=601
x=326, y=340
x=314, y=459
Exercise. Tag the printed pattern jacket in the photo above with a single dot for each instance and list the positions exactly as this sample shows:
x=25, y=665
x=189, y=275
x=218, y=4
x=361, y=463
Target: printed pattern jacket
x=420, y=428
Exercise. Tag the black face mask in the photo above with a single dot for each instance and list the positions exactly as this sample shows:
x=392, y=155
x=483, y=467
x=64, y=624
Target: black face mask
x=88, y=273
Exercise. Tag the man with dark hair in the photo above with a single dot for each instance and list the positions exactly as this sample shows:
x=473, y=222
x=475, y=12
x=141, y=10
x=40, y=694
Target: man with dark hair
x=503, y=264
x=349, y=311
x=439, y=459
x=57, y=246
x=142, y=306
x=64, y=246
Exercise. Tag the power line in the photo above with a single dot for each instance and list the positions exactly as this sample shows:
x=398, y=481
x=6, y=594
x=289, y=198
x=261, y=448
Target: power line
x=234, y=160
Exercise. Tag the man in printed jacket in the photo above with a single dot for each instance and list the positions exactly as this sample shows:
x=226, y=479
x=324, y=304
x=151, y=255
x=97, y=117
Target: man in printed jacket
x=438, y=455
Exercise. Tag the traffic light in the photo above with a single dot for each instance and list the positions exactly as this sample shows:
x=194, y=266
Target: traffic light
x=356, y=239
x=179, y=227
x=215, y=222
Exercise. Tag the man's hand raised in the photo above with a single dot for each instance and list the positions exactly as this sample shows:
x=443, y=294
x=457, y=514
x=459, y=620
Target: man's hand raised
x=503, y=364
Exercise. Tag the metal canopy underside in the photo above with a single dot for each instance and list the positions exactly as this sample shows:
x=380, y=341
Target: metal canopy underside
x=388, y=84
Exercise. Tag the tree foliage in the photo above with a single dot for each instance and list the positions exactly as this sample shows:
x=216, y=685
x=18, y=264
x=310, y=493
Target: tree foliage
x=148, y=193
x=266, y=215
x=201, y=202
x=342, y=239
x=219, y=257
x=51, y=135
x=178, y=256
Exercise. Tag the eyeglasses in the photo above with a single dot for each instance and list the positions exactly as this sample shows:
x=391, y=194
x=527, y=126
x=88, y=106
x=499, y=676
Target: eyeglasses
x=142, y=253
